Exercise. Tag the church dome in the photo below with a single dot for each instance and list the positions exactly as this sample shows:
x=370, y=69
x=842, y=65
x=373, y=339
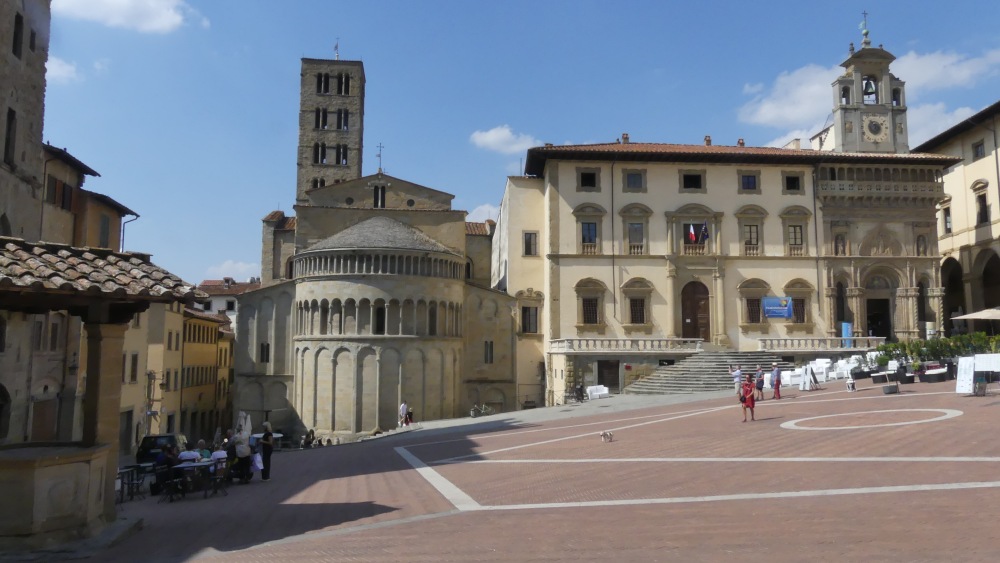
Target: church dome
x=379, y=233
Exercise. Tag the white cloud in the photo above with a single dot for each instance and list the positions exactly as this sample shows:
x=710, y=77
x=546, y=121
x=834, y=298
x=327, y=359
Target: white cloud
x=145, y=16
x=796, y=99
x=483, y=212
x=802, y=135
x=940, y=71
x=502, y=140
x=928, y=120
x=58, y=71
x=233, y=269
x=102, y=65
x=751, y=89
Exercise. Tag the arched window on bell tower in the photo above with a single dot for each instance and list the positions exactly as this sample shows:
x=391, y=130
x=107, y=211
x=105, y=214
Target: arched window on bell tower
x=845, y=96
x=869, y=89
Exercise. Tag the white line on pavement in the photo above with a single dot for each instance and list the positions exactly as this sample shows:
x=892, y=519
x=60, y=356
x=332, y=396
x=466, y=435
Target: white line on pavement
x=447, y=489
x=748, y=459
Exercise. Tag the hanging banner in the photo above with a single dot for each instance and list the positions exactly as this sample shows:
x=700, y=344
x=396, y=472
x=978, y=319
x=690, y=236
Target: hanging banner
x=847, y=331
x=777, y=307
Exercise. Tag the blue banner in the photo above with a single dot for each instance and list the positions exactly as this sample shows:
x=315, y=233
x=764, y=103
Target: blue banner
x=847, y=331
x=777, y=307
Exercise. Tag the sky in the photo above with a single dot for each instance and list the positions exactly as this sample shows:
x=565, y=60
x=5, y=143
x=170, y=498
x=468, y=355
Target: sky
x=189, y=109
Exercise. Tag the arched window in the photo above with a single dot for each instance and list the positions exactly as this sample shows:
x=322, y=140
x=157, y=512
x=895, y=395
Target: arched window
x=5, y=230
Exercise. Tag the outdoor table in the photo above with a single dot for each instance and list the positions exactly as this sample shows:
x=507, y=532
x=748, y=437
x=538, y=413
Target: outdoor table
x=199, y=469
x=932, y=375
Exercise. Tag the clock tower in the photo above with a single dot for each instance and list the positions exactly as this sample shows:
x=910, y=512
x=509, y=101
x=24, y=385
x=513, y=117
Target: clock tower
x=869, y=103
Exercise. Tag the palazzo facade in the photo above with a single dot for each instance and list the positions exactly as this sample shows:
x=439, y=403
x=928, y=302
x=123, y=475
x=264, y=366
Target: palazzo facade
x=623, y=256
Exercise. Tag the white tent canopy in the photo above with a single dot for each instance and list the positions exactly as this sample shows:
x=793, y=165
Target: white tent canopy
x=984, y=315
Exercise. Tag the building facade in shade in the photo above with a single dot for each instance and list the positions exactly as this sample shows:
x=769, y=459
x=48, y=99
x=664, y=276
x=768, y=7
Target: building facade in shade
x=968, y=225
x=375, y=291
x=625, y=255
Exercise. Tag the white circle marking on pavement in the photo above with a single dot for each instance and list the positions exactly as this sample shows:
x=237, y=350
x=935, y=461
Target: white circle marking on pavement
x=945, y=414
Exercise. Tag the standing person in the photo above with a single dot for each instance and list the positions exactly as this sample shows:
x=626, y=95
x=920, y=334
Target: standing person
x=737, y=373
x=747, y=397
x=266, y=447
x=409, y=416
x=758, y=378
x=775, y=381
x=403, y=409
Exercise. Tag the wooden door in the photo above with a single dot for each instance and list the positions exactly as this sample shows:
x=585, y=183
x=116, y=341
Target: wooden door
x=695, y=314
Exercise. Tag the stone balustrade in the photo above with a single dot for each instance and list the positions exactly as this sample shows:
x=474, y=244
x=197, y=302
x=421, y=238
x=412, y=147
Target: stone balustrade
x=808, y=344
x=631, y=345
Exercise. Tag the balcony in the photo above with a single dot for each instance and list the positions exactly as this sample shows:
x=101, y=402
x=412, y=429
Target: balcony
x=636, y=249
x=620, y=345
x=695, y=249
x=751, y=249
x=796, y=250
x=589, y=248
x=870, y=188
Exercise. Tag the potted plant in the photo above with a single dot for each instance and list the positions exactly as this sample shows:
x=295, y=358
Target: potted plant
x=881, y=362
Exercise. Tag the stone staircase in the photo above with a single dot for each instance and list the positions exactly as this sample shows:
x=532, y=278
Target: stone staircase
x=704, y=371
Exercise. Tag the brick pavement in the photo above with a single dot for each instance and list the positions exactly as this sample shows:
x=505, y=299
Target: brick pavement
x=681, y=482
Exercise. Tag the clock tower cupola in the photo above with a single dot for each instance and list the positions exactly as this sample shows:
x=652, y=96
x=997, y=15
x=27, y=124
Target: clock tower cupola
x=869, y=106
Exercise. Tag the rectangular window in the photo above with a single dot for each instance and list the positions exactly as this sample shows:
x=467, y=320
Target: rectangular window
x=691, y=181
x=588, y=179
x=105, y=234
x=793, y=183
x=748, y=182
x=265, y=352
x=10, y=137
x=753, y=310
x=751, y=234
x=636, y=239
x=637, y=311
x=230, y=305
x=529, y=320
x=206, y=306
x=124, y=371
x=982, y=210
x=176, y=378
x=37, y=335
x=978, y=150
x=795, y=235
x=590, y=316
x=946, y=213
x=798, y=310
x=379, y=202
x=31, y=40
x=53, y=336
x=531, y=244
x=488, y=352
x=18, y=34
x=134, y=372
x=51, y=185
x=67, y=197
x=633, y=181
x=136, y=322
x=170, y=423
x=588, y=232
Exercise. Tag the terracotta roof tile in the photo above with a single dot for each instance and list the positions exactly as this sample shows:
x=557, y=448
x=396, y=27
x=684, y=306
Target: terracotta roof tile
x=477, y=229
x=40, y=266
x=219, y=287
x=206, y=316
x=288, y=224
x=274, y=216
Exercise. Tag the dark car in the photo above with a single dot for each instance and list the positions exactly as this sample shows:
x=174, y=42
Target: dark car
x=151, y=446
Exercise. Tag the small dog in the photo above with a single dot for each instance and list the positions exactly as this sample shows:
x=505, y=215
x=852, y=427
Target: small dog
x=607, y=436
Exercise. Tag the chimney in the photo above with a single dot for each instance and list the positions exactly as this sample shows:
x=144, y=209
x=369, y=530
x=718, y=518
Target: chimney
x=708, y=140
x=625, y=138
x=740, y=143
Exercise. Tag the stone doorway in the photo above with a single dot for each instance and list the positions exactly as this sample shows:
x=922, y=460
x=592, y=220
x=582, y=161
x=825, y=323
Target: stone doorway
x=43, y=420
x=608, y=375
x=695, y=314
x=879, y=318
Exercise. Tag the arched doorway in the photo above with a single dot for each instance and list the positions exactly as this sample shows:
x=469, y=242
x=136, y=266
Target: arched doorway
x=695, y=315
x=880, y=294
x=954, y=295
x=991, y=282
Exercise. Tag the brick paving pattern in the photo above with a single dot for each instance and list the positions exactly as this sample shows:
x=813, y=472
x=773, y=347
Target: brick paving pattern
x=680, y=482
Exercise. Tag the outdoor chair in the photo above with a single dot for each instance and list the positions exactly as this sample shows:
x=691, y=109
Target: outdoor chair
x=136, y=483
x=218, y=479
x=170, y=485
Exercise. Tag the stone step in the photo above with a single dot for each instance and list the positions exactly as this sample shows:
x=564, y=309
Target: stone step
x=705, y=371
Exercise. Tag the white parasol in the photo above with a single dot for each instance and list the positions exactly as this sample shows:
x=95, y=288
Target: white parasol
x=984, y=315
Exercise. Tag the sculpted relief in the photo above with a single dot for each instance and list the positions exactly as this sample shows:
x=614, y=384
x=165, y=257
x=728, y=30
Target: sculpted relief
x=881, y=243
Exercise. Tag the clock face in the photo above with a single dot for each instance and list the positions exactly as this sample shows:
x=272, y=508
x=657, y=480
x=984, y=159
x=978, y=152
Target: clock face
x=875, y=128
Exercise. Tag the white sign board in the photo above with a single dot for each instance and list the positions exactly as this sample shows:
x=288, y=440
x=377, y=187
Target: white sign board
x=987, y=362
x=966, y=371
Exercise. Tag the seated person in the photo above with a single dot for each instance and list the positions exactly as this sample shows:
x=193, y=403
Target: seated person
x=218, y=455
x=189, y=453
x=203, y=450
x=168, y=456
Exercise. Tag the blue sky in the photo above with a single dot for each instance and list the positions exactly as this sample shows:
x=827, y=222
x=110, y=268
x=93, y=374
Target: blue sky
x=189, y=109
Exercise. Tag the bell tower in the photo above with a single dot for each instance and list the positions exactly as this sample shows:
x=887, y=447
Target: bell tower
x=869, y=103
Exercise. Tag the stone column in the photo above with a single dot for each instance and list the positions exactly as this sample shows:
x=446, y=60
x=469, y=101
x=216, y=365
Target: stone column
x=718, y=280
x=936, y=297
x=831, y=307
x=672, y=301
x=102, y=400
x=856, y=300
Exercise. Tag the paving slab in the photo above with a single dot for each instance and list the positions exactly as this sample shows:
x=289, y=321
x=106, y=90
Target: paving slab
x=820, y=475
